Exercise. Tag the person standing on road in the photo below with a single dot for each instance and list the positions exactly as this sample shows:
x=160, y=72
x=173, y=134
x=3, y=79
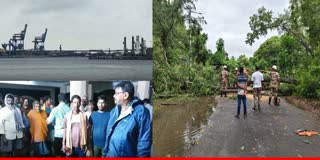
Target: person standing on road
x=242, y=83
x=257, y=78
x=274, y=85
x=224, y=81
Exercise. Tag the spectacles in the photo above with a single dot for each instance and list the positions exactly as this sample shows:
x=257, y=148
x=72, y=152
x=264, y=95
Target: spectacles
x=116, y=93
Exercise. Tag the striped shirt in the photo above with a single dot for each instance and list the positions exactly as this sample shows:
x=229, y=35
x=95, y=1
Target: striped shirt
x=242, y=81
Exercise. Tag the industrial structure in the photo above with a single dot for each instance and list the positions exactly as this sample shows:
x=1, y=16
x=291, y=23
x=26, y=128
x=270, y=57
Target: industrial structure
x=16, y=43
x=39, y=41
x=15, y=48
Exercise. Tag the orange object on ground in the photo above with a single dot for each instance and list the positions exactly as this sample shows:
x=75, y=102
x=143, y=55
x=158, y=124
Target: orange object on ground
x=307, y=133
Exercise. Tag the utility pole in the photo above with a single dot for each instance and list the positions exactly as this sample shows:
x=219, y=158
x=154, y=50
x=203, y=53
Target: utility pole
x=190, y=11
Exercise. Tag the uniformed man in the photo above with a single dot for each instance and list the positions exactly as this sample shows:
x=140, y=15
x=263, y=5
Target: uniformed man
x=235, y=75
x=224, y=81
x=274, y=85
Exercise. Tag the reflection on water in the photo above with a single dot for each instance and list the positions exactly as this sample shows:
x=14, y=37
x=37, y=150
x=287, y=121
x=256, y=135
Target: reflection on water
x=179, y=126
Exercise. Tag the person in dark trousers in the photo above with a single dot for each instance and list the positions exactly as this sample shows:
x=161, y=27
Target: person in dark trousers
x=99, y=123
x=56, y=117
x=242, y=83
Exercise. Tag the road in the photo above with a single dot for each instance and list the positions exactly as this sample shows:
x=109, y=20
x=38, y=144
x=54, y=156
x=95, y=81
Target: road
x=265, y=133
x=74, y=68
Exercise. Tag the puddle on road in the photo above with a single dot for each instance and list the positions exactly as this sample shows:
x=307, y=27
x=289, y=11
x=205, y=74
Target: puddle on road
x=177, y=127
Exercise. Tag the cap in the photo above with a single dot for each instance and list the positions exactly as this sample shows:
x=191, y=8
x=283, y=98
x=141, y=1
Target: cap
x=274, y=67
x=225, y=66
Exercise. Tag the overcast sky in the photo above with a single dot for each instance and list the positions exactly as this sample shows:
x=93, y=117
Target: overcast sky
x=229, y=19
x=77, y=24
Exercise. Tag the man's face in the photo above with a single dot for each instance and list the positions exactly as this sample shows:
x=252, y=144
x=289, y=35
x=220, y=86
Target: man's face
x=75, y=104
x=48, y=102
x=36, y=107
x=119, y=96
x=20, y=100
x=16, y=100
x=84, y=101
x=9, y=101
x=101, y=104
x=25, y=102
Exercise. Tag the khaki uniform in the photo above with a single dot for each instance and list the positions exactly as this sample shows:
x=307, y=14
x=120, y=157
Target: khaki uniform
x=224, y=80
x=235, y=80
x=274, y=84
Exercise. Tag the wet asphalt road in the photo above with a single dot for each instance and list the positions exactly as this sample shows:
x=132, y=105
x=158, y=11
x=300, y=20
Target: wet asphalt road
x=74, y=68
x=265, y=133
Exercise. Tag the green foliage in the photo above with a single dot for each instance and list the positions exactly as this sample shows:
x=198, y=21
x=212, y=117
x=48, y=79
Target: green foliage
x=309, y=86
x=290, y=22
x=284, y=51
x=205, y=81
x=243, y=61
x=310, y=11
x=269, y=51
x=296, y=52
x=260, y=24
x=220, y=56
x=287, y=89
x=180, y=56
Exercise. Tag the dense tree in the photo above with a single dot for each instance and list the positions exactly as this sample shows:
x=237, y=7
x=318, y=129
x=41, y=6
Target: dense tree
x=220, y=56
x=296, y=52
x=180, y=61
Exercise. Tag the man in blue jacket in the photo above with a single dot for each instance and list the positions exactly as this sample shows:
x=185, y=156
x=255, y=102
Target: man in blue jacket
x=129, y=132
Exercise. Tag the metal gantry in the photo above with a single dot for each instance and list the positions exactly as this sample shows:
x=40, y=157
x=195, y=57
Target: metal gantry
x=39, y=41
x=16, y=43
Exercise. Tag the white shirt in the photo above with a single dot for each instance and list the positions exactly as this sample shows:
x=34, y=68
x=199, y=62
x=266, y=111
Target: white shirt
x=8, y=124
x=257, y=77
x=75, y=118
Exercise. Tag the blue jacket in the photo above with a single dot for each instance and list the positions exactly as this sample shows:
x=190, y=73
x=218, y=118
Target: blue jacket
x=130, y=136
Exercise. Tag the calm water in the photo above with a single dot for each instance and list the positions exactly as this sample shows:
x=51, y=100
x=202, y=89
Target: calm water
x=177, y=127
x=74, y=68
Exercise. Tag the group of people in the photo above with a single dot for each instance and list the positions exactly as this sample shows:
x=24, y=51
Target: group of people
x=257, y=78
x=75, y=129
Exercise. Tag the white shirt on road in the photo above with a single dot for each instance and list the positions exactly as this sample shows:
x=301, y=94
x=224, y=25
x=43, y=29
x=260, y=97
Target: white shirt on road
x=257, y=77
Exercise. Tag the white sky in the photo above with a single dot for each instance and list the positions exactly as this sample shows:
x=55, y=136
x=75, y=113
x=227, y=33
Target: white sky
x=229, y=19
x=77, y=24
